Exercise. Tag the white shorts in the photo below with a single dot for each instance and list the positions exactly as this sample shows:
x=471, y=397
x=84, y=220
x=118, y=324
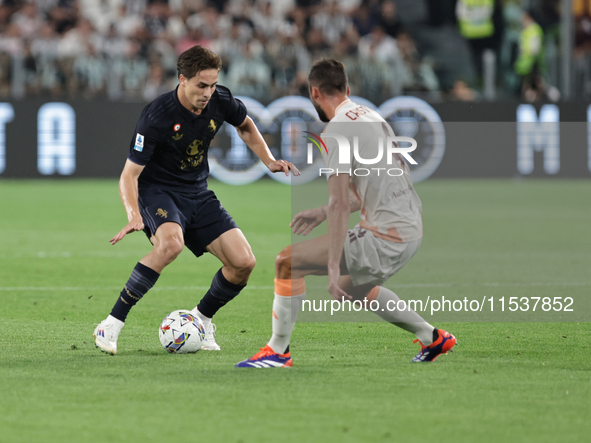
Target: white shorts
x=374, y=260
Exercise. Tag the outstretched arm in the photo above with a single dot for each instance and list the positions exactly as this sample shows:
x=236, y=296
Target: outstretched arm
x=128, y=190
x=250, y=134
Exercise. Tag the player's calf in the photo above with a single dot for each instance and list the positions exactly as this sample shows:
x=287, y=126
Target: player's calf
x=219, y=294
x=107, y=332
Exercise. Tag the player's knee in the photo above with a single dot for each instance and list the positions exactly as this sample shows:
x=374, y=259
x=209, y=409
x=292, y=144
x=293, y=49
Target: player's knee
x=171, y=247
x=243, y=267
x=247, y=264
x=283, y=261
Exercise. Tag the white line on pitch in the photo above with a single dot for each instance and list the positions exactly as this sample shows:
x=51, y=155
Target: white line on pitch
x=268, y=288
x=115, y=288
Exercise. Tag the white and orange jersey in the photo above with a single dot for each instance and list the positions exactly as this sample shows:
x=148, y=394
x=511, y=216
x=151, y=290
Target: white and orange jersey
x=390, y=206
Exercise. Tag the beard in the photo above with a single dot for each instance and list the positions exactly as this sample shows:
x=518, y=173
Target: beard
x=321, y=114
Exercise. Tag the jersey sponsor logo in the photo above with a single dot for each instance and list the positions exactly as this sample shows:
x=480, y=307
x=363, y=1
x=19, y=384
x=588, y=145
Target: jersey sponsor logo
x=177, y=137
x=192, y=162
x=162, y=213
x=195, y=147
x=397, y=194
x=212, y=125
x=139, y=142
x=195, y=155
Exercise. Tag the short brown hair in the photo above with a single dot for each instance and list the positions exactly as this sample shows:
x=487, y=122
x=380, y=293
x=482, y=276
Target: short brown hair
x=329, y=76
x=197, y=59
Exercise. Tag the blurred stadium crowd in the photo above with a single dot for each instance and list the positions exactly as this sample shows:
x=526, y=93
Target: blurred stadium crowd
x=127, y=49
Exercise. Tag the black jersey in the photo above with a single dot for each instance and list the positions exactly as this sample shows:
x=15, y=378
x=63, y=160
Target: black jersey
x=172, y=142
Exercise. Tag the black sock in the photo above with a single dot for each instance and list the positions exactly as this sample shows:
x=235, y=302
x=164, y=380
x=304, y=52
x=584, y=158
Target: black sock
x=435, y=334
x=141, y=280
x=220, y=293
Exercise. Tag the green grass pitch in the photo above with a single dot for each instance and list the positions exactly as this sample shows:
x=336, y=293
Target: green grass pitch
x=351, y=382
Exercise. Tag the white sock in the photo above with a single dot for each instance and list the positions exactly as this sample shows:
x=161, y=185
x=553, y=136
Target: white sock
x=118, y=324
x=202, y=317
x=285, y=312
x=408, y=319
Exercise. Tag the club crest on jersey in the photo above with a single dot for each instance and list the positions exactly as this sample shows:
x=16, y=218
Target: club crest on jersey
x=162, y=213
x=212, y=125
x=139, y=142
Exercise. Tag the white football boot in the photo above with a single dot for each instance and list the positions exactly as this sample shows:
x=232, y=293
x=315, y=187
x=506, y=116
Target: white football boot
x=209, y=343
x=106, y=334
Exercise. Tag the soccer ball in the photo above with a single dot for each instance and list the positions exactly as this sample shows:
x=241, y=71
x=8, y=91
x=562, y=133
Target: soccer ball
x=181, y=332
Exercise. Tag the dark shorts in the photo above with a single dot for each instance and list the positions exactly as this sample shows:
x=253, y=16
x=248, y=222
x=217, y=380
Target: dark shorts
x=201, y=216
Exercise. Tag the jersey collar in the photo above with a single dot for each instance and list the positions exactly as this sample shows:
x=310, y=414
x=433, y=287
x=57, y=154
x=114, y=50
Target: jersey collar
x=343, y=103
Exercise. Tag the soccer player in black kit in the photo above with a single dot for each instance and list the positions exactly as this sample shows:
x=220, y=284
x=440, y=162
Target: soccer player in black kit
x=163, y=188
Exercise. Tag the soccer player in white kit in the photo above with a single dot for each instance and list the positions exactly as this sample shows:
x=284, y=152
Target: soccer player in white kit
x=358, y=261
